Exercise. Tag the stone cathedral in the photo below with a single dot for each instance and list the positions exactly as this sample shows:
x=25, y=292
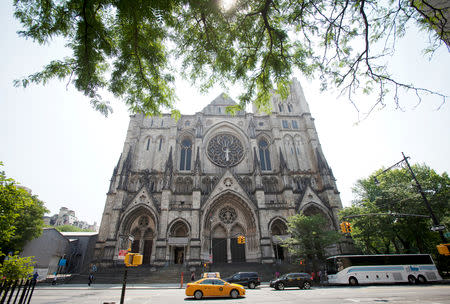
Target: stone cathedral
x=185, y=190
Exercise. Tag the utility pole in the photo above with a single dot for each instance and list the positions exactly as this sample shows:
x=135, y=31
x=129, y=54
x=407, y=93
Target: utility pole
x=419, y=187
x=433, y=217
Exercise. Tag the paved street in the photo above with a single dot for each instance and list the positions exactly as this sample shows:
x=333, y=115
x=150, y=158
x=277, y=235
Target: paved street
x=143, y=294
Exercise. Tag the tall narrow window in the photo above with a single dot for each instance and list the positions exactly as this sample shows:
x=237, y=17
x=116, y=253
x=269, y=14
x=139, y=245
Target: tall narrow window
x=264, y=155
x=285, y=124
x=289, y=107
x=186, y=153
x=294, y=124
x=280, y=107
x=160, y=144
x=148, y=143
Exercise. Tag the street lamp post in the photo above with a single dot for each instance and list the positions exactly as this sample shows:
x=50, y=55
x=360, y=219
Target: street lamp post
x=210, y=243
x=433, y=217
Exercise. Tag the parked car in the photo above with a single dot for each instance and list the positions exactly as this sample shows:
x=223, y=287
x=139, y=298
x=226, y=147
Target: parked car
x=213, y=287
x=249, y=279
x=301, y=280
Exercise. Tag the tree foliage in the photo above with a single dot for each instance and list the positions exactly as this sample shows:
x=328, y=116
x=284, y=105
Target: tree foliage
x=15, y=267
x=309, y=237
x=20, y=215
x=128, y=47
x=386, y=220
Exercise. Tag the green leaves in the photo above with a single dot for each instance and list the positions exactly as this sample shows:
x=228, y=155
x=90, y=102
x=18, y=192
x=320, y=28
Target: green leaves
x=378, y=227
x=15, y=267
x=20, y=215
x=126, y=46
x=310, y=236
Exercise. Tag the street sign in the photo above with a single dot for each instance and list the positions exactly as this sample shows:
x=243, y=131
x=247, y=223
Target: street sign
x=131, y=238
x=210, y=258
x=122, y=254
x=437, y=228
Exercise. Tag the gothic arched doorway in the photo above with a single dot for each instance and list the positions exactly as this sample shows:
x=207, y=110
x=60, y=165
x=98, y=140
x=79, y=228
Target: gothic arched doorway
x=278, y=231
x=178, y=240
x=142, y=231
x=226, y=218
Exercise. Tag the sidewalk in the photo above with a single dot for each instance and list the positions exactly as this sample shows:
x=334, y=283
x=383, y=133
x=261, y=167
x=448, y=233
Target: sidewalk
x=165, y=286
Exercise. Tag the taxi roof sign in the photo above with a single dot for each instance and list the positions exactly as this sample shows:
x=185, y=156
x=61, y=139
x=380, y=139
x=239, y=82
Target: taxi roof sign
x=211, y=275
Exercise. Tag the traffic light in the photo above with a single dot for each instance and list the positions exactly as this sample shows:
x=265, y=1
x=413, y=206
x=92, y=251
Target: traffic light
x=443, y=249
x=343, y=227
x=346, y=227
x=349, y=227
x=241, y=239
x=302, y=261
x=133, y=259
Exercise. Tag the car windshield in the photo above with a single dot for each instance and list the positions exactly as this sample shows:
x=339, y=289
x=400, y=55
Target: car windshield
x=284, y=276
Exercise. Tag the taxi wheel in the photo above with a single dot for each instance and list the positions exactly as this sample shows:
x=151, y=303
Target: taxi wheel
x=251, y=285
x=234, y=294
x=306, y=285
x=280, y=286
x=198, y=294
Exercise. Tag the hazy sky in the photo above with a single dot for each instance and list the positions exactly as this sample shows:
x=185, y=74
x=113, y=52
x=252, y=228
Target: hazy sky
x=53, y=142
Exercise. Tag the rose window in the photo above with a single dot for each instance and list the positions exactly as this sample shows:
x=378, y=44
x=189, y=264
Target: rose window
x=227, y=215
x=225, y=150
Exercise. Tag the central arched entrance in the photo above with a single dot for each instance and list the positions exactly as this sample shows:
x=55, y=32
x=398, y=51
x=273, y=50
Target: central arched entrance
x=227, y=218
x=141, y=226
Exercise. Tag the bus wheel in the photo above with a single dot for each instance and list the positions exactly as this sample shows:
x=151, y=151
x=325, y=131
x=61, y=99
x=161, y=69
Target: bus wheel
x=353, y=281
x=421, y=279
x=411, y=279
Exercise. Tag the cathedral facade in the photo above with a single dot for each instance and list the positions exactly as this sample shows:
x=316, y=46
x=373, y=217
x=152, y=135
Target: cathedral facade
x=184, y=191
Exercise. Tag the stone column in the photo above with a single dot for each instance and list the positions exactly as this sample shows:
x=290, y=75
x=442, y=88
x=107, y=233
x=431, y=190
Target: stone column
x=229, y=258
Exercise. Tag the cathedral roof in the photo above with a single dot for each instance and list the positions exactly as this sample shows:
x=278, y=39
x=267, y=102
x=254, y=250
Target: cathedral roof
x=222, y=101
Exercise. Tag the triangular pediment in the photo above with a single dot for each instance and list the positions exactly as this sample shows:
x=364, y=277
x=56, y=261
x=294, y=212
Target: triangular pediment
x=308, y=197
x=145, y=197
x=223, y=100
x=219, y=103
x=226, y=184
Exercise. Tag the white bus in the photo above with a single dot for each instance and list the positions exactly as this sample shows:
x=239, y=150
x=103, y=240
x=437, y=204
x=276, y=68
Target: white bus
x=382, y=268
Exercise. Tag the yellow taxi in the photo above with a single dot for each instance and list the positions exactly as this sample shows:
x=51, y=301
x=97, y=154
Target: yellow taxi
x=214, y=287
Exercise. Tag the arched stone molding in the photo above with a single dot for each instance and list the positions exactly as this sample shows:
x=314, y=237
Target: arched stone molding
x=277, y=221
x=266, y=136
x=225, y=127
x=313, y=208
x=172, y=225
x=141, y=222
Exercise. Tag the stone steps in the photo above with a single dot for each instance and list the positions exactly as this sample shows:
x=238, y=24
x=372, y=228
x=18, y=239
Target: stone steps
x=172, y=273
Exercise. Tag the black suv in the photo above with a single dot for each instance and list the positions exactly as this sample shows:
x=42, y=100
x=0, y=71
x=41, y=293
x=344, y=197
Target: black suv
x=301, y=280
x=249, y=279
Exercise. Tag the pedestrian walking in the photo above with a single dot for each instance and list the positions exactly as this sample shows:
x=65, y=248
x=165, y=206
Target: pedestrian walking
x=35, y=276
x=192, y=276
x=277, y=274
x=91, y=279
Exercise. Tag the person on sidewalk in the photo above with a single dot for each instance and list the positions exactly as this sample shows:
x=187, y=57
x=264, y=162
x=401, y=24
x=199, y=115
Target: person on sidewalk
x=192, y=276
x=91, y=279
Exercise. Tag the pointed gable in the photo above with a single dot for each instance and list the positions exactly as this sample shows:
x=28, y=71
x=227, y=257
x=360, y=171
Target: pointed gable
x=229, y=182
x=219, y=104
